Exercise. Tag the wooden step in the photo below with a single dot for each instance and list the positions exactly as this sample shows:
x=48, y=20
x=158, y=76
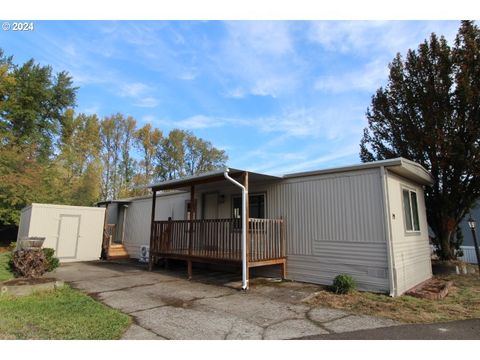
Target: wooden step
x=117, y=251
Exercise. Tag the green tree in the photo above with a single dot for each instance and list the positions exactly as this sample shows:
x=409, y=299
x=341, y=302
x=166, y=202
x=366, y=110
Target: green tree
x=34, y=103
x=429, y=112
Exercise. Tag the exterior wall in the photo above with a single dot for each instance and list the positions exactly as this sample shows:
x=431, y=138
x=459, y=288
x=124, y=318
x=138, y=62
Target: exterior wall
x=24, y=226
x=137, y=221
x=334, y=225
x=411, y=251
x=112, y=216
x=45, y=222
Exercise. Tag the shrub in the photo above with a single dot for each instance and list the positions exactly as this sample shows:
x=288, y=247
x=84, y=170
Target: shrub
x=53, y=262
x=12, y=246
x=343, y=284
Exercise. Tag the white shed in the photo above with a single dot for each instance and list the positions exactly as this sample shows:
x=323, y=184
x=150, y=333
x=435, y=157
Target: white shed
x=75, y=232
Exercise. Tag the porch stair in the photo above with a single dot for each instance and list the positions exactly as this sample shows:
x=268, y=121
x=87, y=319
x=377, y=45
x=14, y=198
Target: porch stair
x=117, y=251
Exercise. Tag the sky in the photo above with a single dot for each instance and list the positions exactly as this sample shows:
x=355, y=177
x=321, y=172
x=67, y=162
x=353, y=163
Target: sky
x=278, y=96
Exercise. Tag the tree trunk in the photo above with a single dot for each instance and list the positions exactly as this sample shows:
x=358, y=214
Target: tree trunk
x=447, y=251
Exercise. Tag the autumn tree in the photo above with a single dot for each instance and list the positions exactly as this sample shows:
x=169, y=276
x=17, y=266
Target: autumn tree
x=183, y=154
x=79, y=159
x=147, y=141
x=116, y=135
x=127, y=161
x=429, y=112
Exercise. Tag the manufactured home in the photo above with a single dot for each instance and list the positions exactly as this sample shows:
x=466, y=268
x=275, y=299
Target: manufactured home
x=366, y=220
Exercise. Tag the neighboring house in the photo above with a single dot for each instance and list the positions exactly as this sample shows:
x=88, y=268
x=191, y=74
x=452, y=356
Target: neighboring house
x=467, y=233
x=366, y=220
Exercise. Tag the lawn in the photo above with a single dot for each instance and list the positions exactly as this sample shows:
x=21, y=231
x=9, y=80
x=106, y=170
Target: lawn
x=62, y=314
x=5, y=273
x=462, y=302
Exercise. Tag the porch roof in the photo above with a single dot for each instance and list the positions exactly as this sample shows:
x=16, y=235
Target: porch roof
x=211, y=176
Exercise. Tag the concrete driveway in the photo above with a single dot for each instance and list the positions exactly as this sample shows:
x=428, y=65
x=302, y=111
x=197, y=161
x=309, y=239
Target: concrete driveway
x=165, y=305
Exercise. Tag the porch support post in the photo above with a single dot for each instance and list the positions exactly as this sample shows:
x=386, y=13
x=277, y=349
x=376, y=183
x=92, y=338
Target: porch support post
x=191, y=217
x=190, y=232
x=152, y=232
x=105, y=243
x=247, y=227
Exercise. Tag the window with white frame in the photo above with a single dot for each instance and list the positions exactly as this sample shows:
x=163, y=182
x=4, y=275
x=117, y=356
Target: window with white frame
x=410, y=210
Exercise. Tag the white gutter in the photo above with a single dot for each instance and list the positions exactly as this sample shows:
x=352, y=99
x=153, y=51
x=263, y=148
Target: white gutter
x=388, y=231
x=244, y=228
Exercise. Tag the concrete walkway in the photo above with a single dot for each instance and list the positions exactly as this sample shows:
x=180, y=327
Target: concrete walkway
x=164, y=305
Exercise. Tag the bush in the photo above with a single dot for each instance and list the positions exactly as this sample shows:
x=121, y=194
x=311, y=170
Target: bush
x=343, y=284
x=12, y=246
x=53, y=262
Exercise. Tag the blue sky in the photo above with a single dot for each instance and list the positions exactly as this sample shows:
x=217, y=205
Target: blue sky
x=279, y=97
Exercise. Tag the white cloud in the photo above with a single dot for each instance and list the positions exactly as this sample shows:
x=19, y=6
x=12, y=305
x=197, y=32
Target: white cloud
x=371, y=77
x=200, y=122
x=262, y=37
x=258, y=58
x=134, y=89
x=308, y=159
x=140, y=93
x=329, y=123
x=374, y=37
x=147, y=102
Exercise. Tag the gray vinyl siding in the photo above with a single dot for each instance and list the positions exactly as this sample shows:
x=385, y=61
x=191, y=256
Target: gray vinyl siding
x=137, y=222
x=334, y=224
x=112, y=215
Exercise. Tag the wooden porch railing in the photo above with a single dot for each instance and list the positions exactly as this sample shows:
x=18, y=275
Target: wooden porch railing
x=218, y=239
x=108, y=238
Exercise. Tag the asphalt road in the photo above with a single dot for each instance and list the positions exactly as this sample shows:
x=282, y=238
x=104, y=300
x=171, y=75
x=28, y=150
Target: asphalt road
x=455, y=330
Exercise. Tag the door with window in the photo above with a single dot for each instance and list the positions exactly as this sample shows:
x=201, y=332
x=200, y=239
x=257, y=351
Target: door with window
x=256, y=208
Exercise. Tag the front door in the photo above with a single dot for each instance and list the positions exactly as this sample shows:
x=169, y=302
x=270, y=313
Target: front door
x=210, y=206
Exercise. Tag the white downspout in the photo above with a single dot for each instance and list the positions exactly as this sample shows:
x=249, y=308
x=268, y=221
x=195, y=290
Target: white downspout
x=244, y=228
x=388, y=232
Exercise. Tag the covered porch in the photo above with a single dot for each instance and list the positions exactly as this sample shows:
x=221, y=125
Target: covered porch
x=211, y=232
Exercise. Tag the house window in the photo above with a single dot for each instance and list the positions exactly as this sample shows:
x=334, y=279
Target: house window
x=410, y=210
x=256, y=206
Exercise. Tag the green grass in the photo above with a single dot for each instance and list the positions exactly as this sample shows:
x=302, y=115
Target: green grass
x=5, y=273
x=61, y=314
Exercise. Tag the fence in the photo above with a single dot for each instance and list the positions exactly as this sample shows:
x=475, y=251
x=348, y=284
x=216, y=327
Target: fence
x=469, y=255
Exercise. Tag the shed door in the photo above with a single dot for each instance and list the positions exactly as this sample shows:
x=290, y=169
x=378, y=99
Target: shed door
x=68, y=236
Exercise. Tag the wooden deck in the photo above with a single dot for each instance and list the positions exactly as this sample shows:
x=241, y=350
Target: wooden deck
x=219, y=241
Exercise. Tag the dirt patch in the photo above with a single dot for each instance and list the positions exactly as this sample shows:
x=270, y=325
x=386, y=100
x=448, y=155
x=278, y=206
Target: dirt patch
x=462, y=302
x=24, y=281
